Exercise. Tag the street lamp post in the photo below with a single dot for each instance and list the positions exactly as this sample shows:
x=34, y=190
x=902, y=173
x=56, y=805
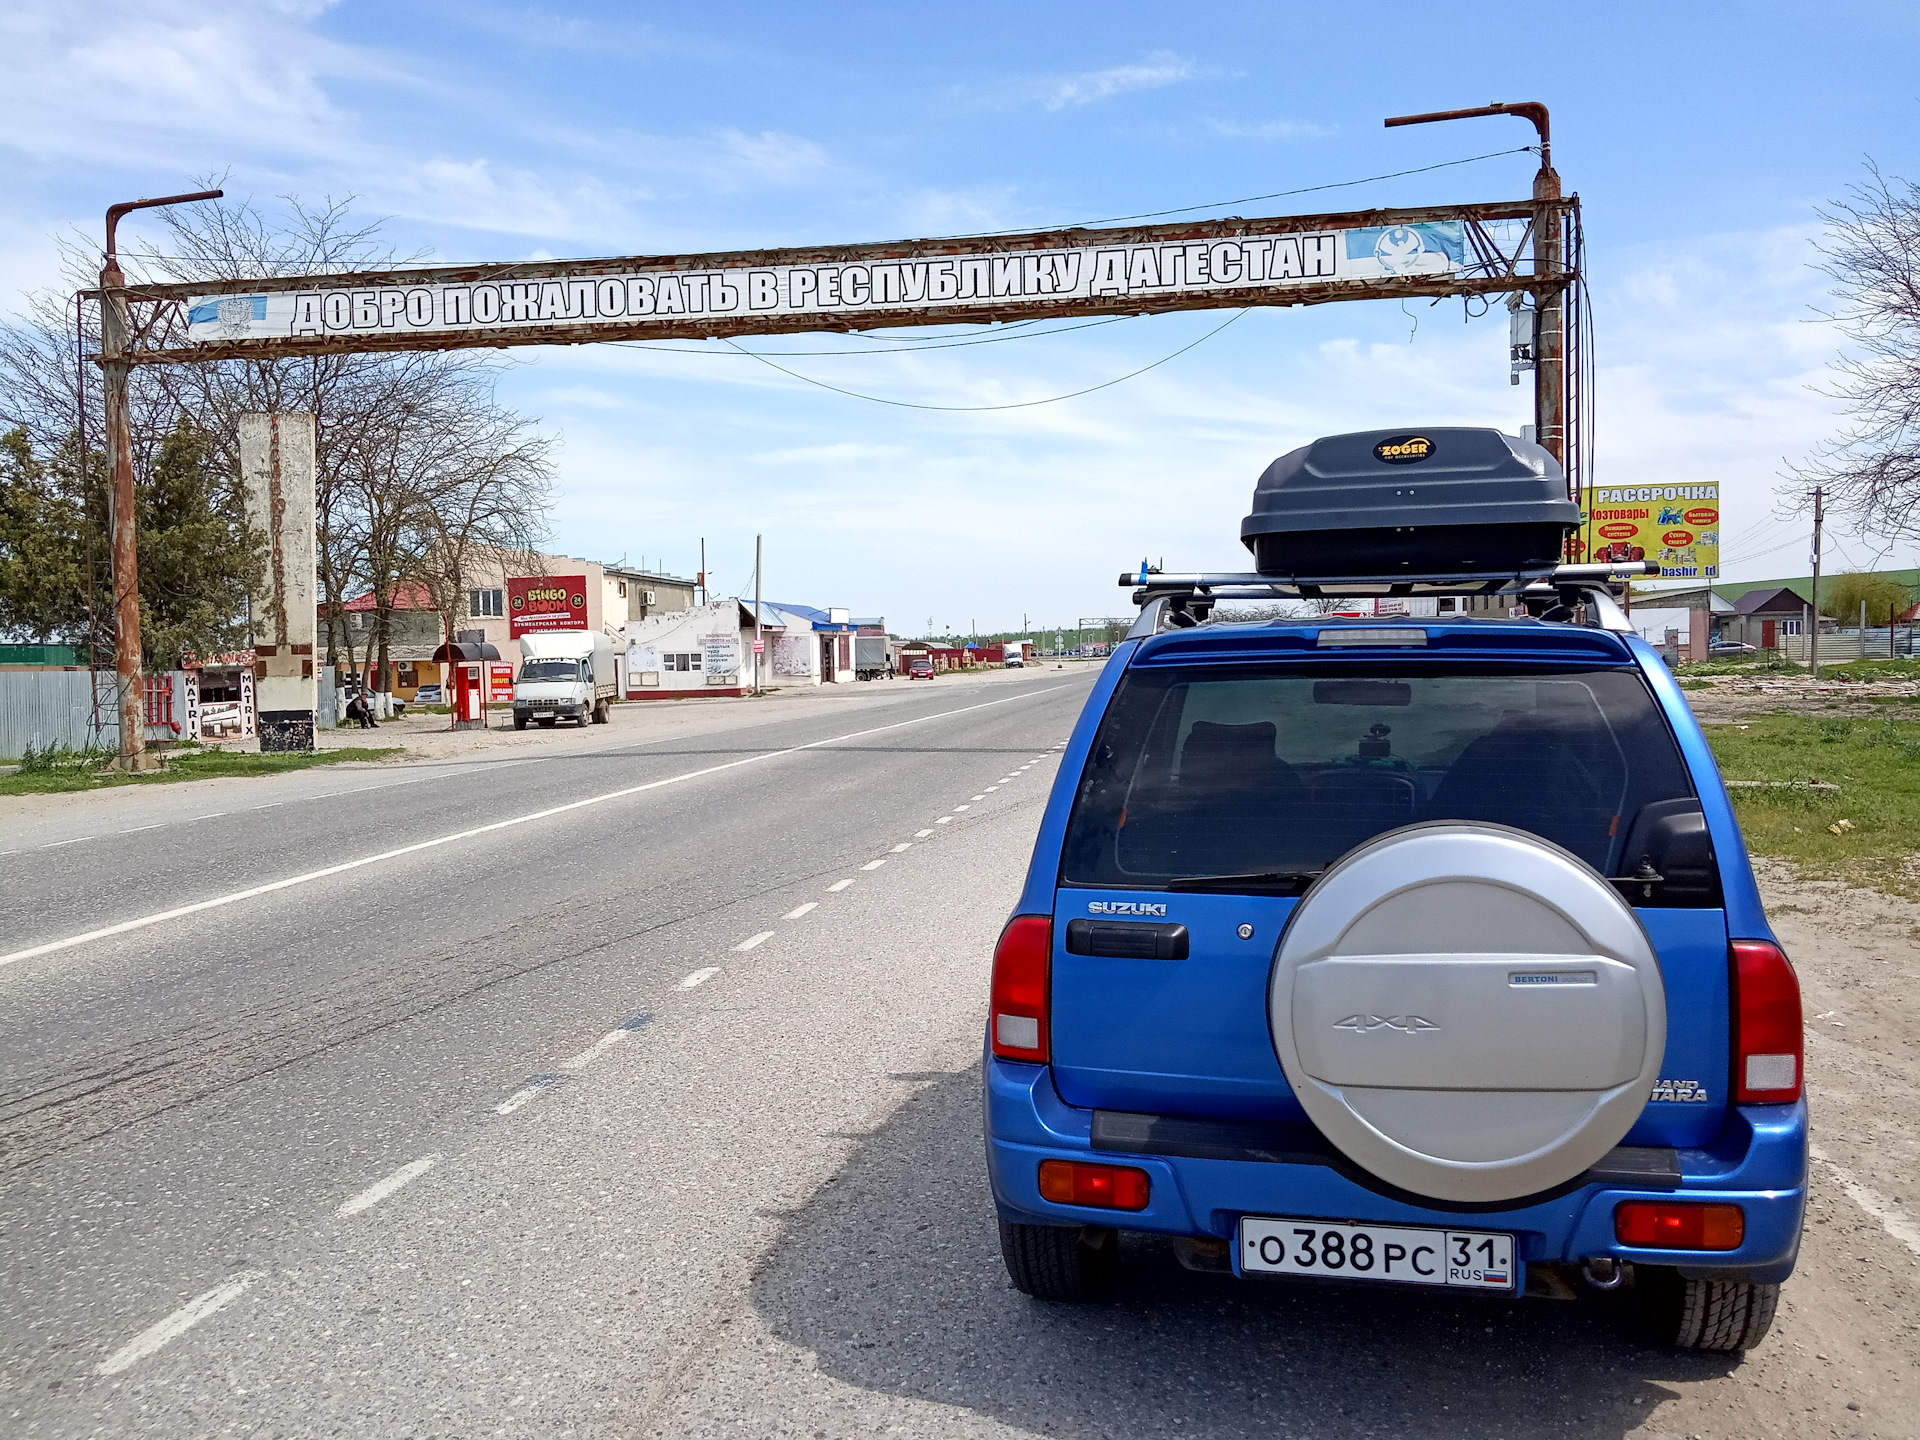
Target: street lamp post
x=114, y=333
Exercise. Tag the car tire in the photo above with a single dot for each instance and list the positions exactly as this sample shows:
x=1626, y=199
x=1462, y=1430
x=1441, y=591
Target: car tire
x=519, y=722
x=1059, y=1262
x=1698, y=1314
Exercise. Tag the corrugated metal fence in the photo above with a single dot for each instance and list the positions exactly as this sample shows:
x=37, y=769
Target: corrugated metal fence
x=46, y=708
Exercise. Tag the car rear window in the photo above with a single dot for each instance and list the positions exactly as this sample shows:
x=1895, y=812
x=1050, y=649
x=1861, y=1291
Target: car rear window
x=1201, y=771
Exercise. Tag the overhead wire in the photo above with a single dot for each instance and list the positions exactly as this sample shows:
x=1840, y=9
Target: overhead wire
x=1015, y=405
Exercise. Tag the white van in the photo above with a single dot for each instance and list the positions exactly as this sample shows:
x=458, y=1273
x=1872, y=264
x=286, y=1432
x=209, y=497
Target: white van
x=566, y=673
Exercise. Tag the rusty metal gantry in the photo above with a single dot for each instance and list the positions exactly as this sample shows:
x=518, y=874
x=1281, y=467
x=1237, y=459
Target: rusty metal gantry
x=1538, y=264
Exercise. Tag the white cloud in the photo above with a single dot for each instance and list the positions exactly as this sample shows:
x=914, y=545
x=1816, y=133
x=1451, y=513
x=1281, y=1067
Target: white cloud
x=1161, y=68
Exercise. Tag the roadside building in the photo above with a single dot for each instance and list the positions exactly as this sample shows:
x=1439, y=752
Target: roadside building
x=699, y=650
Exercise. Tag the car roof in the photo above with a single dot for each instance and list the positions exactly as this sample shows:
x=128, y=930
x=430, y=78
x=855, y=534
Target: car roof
x=1376, y=639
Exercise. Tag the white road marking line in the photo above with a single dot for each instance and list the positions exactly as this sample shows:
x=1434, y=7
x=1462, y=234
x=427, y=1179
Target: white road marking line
x=753, y=940
x=1890, y=1216
x=921, y=834
x=176, y=1324
x=138, y=828
x=958, y=808
x=535, y=1087
x=873, y=865
x=77, y=840
x=699, y=977
x=375, y=1193
x=838, y=886
x=238, y=895
x=992, y=788
x=594, y=1051
x=944, y=820
x=799, y=910
x=903, y=845
x=214, y=815
x=971, y=797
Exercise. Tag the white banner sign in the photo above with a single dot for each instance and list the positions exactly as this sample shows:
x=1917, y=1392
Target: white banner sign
x=985, y=280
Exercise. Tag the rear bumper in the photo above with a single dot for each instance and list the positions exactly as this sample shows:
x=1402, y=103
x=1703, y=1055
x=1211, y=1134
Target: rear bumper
x=1758, y=1163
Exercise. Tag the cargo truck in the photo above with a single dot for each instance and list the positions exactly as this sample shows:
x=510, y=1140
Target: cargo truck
x=567, y=673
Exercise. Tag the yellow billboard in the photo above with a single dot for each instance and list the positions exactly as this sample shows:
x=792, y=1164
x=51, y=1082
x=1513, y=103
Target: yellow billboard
x=1677, y=525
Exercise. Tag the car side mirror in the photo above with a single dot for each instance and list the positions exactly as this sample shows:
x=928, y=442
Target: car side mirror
x=1668, y=859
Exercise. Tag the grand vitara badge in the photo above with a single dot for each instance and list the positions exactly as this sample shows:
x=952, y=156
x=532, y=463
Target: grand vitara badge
x=1403, y=450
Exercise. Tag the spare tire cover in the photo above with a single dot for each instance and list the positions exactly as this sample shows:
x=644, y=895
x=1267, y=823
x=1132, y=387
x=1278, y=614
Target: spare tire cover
x=1467, y=1011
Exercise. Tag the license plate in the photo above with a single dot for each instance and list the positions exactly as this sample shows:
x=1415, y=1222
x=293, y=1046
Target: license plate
x=1475, y=1259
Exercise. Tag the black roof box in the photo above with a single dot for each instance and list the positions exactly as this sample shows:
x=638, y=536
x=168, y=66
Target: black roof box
x=1448, y=501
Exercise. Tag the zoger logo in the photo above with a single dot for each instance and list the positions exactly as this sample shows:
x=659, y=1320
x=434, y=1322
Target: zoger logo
x=1403, y=450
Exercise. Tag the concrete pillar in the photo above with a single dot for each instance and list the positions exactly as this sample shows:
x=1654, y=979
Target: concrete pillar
x=277, y=472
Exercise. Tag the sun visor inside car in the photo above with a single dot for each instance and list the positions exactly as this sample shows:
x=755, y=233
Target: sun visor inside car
x=1386, y=502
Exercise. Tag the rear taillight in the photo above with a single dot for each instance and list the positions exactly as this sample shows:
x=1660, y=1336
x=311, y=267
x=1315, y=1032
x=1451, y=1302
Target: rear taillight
x=1768, y=1046
x=1109, y=1187
x=1022, y=970
x=1663, y=1225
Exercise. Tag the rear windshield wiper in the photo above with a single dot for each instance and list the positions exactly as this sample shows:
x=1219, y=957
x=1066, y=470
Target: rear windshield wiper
x=1253, y=880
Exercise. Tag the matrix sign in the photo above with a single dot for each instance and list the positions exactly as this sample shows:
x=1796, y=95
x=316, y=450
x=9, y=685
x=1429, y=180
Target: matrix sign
x=1677, y=525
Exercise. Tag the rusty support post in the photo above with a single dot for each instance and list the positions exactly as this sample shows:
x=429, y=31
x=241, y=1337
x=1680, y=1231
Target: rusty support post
x=1549, y=264
x=130, y=697
x=129, y=687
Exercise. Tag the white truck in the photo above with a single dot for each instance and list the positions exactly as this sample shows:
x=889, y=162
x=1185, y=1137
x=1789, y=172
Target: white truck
x=564, y=673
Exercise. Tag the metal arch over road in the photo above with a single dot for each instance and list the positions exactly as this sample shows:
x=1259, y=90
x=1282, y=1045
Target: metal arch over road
x=1212, y=264
x=1478, y=249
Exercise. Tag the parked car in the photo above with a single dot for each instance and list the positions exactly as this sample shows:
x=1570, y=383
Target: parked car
x=429, y=695
x=1732, y=647
x=1418, y=952
x=921, y=668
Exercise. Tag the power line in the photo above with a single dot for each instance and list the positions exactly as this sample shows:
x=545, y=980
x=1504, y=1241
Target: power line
x=1018, y=405
x=914, y=348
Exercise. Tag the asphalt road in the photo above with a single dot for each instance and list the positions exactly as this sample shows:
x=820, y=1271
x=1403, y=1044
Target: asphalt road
x=605, y=1108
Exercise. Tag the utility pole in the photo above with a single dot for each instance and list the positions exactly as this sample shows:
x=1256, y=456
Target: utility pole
x=759, y=640
x=705, y=598
x=1549, y=266
x=130, y=696
x=1813, y=640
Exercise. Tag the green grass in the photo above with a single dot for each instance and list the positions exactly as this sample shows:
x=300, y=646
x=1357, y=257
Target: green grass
x=1876, y=764
x=1756, y=666
x=59, y=771
x=1881, y=669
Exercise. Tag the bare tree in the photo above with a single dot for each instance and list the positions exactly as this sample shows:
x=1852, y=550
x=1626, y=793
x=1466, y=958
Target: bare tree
x=392, y=428
x=1871, y=470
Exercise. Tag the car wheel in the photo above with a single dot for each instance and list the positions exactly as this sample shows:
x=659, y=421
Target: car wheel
x=1059, y=1262
x=519, y=722
x=1689, y=1314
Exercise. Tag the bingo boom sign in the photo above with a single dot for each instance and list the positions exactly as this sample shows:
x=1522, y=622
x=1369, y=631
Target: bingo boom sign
x=542, y=603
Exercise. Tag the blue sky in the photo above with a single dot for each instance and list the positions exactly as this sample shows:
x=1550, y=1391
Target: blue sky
x=1701, y=139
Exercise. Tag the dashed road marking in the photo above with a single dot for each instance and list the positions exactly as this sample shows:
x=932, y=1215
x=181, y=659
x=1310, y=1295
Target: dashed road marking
x=177, y=1324
x=903, y=845
x=799, y=910
x=958, y=808
x=213, y=815
x=838, y=886
x=77, y=840
x=921, y=834
x=270, y=887
x=699, y=977
x=753, y=940
x=138, y=828
x=605, y=1043
x=380, y=1190
x=536, y=1086
x=944, y=820
x=873, y=865
x=970, y=797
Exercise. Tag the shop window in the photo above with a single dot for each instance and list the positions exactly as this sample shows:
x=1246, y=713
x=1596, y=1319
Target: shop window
x=681, y=662
x=403, y=673
x=487, y=602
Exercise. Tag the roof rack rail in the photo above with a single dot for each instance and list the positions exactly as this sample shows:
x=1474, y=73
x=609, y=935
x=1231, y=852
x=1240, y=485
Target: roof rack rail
x=1185, y=599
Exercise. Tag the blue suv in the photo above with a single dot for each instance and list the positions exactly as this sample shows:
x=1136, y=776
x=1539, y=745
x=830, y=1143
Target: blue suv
x=1418, y=948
